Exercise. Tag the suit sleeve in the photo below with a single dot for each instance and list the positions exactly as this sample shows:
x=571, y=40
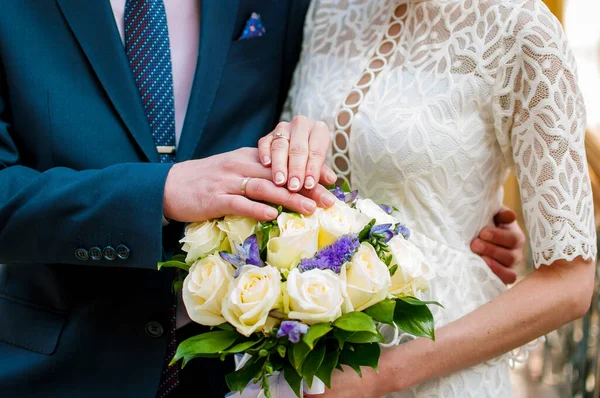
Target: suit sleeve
x=45, y=217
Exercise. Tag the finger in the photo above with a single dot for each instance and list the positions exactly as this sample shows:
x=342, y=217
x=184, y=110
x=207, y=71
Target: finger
x=328, y=176
x=265, y=190
x=279, y=154
x=240, y=206
x=298, y=153
x=264, y=150
x=505, y=216
x=506, y=275
x=506, y=257
x=501, y=237
x=320, y=195
x=318, y=144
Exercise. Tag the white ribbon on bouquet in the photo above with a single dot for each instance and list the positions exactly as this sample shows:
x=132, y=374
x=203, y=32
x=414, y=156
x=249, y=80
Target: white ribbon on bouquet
x=277, y=384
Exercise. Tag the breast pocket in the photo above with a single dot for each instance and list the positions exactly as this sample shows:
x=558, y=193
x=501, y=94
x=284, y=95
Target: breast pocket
x=264, y=47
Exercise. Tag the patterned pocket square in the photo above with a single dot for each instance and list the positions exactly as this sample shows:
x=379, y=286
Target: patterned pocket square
x=254, y=27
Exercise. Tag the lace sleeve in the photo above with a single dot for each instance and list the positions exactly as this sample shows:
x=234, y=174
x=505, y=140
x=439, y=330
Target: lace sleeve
x=540, y=123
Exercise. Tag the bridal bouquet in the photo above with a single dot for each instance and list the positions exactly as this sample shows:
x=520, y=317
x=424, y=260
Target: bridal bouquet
x=301, y=296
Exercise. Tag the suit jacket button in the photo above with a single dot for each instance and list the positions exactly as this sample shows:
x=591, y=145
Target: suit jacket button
x=109, y=253
x=82, y=254
x=96, y=253
x=154, y=329
x=123, y=252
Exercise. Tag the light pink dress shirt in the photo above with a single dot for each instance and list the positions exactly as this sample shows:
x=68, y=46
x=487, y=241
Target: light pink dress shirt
x=183, y=18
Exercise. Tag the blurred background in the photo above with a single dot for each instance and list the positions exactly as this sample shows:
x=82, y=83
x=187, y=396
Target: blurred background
x=566, y=365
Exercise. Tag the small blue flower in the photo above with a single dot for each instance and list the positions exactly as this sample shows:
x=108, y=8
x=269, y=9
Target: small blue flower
x=383, y=232
x=387, y=209
x=403, y=230
x=343, y=196
x=292, y=329
x=247, y=253
x=334, y=256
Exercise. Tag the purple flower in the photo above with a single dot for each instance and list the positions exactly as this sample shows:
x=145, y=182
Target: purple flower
x=332, y=257
x=403, y=230
x=387, y=209
x=382, y=232
x=343, y=196
x=247, y=253
x=292, y=329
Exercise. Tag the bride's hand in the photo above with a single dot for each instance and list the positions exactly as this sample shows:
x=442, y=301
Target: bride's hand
x=296, y=153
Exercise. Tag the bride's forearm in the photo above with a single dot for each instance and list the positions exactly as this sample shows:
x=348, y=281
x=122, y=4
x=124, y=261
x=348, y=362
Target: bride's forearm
x=542, y=302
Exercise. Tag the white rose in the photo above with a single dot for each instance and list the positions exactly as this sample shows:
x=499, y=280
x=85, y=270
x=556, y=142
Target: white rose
x=373, y=211
x=238, y=229
x=202, y=239
x=367, y=278
x=298, y=238
x=250, y=298
x=338, y=220
x=315, y=296
x=413, y=274
x=204, y=289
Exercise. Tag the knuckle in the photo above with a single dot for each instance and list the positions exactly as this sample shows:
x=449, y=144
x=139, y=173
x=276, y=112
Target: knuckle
x=321, y=125
x=258, y=186
x=279, y=145
x=298, y=150
x=316, y=153
x=300, y=119
x=229, y=165
x=281, y=126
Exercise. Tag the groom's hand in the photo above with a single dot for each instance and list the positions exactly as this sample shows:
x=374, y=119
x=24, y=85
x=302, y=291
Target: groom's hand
x=213, y=187
x=501, y=247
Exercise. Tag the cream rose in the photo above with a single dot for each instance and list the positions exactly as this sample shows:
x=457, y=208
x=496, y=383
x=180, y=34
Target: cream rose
x=413, y=274
x=202, y=239
x=315, y=296
x=338, y=220
x=373, y=211
x=298, y=238
x=204, y=288
x=367, y=278
x=250, y=298
x=238, y=229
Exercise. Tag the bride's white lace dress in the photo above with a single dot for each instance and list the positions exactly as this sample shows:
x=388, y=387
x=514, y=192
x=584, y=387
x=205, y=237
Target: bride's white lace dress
x=433, y=102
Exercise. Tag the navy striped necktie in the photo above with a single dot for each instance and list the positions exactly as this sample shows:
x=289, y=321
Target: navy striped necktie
x=149, y=53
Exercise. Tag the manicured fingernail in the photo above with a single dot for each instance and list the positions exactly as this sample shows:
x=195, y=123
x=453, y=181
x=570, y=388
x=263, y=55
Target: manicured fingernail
x=328, y=199
x=477, y=246
x=487, y=235
x=309, y=205
x=271, y=213
x=309, y=183
x=279, y=178
x=267, y=160
x=331, y=175
x=294, y=184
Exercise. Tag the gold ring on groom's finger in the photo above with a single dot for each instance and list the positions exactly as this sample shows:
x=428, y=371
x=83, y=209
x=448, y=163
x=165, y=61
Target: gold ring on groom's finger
x=280, y=135
x=244, y=183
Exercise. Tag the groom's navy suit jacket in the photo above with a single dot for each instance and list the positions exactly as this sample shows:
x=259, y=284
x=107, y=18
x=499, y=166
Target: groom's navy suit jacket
x=78, y=169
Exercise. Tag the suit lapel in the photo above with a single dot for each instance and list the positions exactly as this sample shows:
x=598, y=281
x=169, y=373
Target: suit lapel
x=93, y=24
x=216, y=32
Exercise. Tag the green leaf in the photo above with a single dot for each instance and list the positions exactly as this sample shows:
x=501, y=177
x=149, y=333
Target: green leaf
x=242, y=347
x=281, y=350
x=239, y=379
x=177, y=286
x=293, y=379
x=346, y=187
x=357, y=337
x=355, y=322
x=416, y=301
x=179, y=257
x=203, y=344
x=382, y=312
x=315, y=332
x=297, y=354
x=362, y=355
x=414, y=319
x=226, y=326
x=174, y=264
x=312, y=363
x=327, y=367
x=364, y=234
x=393, y=269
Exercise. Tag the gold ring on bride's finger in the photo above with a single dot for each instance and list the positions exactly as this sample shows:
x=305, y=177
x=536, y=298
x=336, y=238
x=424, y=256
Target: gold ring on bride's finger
x=280, y=135
x=244, y=183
